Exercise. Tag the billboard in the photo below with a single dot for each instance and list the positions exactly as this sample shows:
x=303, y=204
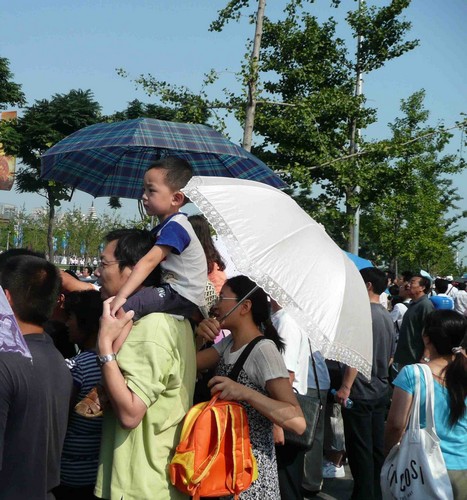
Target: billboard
x=7, y=163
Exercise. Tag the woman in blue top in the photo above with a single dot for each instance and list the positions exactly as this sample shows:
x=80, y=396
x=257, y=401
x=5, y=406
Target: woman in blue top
x=445, y=338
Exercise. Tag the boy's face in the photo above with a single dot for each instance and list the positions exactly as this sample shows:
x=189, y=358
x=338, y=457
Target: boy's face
x=158, y=197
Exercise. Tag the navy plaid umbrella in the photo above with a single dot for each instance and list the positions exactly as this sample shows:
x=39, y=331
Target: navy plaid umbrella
x=109, y=159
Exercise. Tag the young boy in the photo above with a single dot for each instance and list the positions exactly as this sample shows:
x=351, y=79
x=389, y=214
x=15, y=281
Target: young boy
x=177, y=248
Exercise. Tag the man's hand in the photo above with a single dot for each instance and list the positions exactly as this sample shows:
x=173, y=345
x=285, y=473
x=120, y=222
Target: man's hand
x=111, y=327
x=342, y=395
x=208, y=329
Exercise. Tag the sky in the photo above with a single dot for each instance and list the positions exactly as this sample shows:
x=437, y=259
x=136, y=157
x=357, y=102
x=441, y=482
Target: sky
x=54, y=46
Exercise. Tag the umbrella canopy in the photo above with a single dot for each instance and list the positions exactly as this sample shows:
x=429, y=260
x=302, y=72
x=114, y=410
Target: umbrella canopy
x=360, y=262
x=11, y=338
x=109, y=159
x=280, y=247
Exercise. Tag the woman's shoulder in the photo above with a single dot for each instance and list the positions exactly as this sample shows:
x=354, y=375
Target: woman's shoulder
x=406, y=378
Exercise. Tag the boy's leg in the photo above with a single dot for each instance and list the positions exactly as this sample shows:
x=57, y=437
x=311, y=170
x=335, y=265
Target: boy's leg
x=159, y=299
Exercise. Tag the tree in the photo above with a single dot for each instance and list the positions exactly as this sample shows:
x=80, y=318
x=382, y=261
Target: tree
x=42, y=125
x=10, y=92
x=412, y=222
x=314, y=80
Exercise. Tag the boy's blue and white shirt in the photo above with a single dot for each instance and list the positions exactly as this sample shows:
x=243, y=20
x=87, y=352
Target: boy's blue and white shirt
x=185, y=267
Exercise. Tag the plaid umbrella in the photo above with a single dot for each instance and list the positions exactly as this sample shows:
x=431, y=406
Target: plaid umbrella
x=109, y=159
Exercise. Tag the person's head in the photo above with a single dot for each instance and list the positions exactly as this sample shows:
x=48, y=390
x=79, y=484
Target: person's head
x=203, y=232
x=462, y=286
x=163, y=182
x=375, y=280
x=83, y=310
x=32, y=285
x=418, y=286
x=87, y=271
x=446, y=330
x=255, y=307
x=124, y=249
x=391, y=276
x=441, y=285
x=15, y=252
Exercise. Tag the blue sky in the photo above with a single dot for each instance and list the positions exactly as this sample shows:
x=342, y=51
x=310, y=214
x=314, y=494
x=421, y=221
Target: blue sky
x=56, y=45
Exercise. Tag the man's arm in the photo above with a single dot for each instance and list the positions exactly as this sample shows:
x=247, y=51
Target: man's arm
x=128, y=407
x=348, y=379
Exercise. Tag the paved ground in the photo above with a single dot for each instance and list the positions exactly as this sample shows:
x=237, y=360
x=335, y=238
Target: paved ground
x=336, y=489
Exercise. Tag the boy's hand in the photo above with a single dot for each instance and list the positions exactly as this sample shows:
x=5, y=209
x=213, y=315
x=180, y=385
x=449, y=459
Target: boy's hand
x=116, y=304
x=110, y=326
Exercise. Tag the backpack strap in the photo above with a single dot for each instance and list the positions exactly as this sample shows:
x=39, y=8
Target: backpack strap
x=235, y=372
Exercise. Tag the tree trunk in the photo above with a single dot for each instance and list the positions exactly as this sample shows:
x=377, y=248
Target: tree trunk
x=253, y=78
x=354, y=212
x=50, y=227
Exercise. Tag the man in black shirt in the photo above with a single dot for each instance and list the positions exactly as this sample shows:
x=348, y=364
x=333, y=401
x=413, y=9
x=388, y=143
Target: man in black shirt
x=34, y=394
x=364, y=422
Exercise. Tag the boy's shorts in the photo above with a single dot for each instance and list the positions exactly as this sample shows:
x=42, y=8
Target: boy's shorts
x=161, y=298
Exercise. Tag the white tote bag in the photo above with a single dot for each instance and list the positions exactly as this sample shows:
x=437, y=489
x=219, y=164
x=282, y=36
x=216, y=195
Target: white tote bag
x=415, y=468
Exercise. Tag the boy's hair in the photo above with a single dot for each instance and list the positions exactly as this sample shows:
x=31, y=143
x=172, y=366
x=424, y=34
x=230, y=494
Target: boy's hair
x=376, y=277
x=177, y=171
x=34, y=286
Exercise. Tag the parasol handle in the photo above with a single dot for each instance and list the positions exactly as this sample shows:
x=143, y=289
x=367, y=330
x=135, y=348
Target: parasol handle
x=238, y=304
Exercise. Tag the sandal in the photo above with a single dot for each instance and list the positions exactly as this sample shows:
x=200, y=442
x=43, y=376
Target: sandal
x=92, y=405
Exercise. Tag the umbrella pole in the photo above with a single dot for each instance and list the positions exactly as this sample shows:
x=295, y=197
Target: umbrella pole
x=238, y=304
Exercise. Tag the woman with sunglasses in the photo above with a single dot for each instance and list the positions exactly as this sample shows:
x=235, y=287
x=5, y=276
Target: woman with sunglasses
x=263, y=385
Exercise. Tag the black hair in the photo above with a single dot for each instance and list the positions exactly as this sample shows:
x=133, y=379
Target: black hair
x=406, y=275
x=446, y=330
x=424, y=282
x=34, y=285
x=376, y=277
x=132, y=245
x=462, y=286
x=260, y=310
x=89, y=268
x=441, y=285
x=14, y=252
x=177, y=171
x=87, y=307
x=203, y=232
x=390, y=274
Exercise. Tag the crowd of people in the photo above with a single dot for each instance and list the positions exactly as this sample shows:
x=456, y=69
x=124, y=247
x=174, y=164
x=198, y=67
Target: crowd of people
x=99, y=413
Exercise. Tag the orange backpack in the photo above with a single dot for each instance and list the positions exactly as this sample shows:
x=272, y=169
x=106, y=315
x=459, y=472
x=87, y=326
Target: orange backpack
x=214, y=457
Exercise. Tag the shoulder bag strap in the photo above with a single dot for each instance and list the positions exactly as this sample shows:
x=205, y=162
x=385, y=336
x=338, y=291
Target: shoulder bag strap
x=429, y=399
x=314, y=370
x=235, y=372
x=414, y=420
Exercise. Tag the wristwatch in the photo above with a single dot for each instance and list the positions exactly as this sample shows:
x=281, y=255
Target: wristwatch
x=102, y=360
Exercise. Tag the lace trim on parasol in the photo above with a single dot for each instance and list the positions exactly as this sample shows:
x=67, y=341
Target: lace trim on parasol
x=328, y=349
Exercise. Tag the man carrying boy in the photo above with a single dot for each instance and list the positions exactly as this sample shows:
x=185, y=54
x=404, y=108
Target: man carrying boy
x=149, y=381
x=177, y=249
